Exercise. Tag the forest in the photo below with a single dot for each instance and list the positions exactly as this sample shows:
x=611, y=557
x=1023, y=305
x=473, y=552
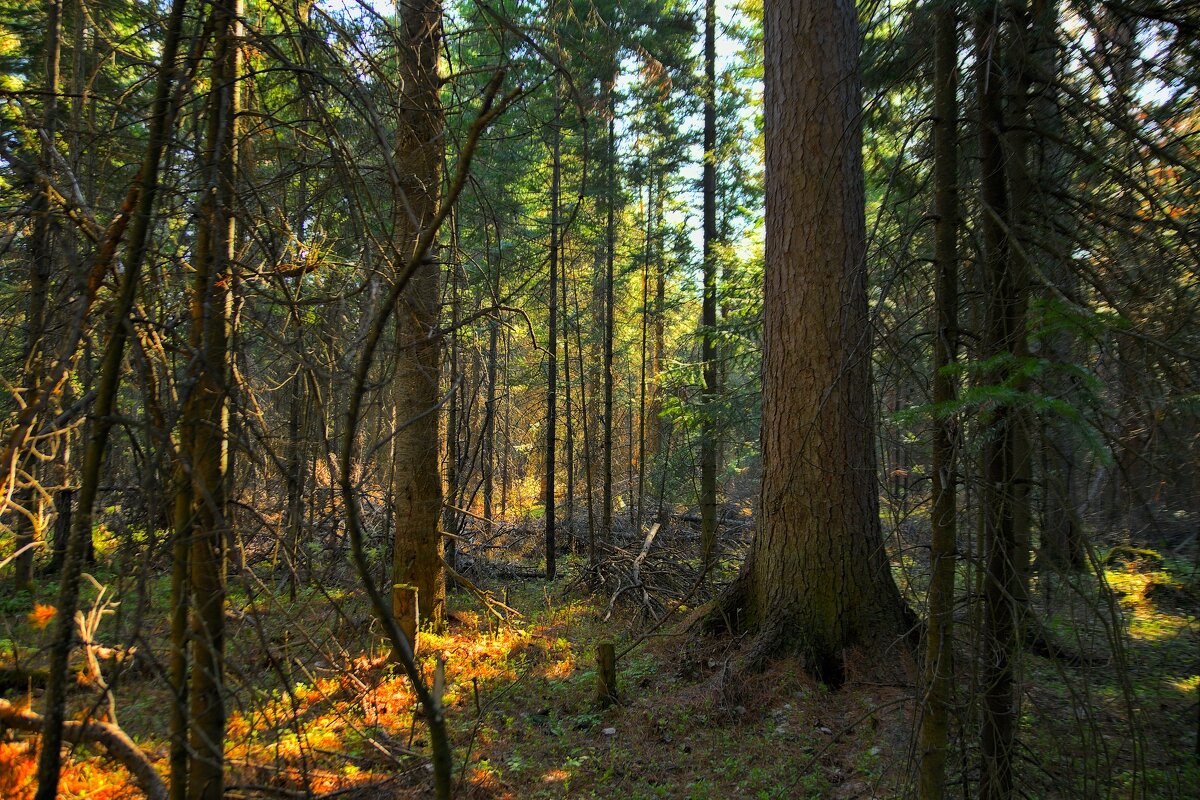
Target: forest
x=599, y=399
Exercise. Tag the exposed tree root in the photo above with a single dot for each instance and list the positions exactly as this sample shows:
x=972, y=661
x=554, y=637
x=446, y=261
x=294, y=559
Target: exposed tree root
x=119, y=746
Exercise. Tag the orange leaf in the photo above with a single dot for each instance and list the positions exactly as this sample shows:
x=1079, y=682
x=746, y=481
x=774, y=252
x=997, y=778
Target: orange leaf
x=41, y=615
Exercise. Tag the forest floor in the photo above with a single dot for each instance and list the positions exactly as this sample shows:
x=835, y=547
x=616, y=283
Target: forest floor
x=316, y=709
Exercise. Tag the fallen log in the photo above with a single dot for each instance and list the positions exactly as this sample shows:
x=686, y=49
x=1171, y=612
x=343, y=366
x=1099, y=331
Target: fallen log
x=120, y=747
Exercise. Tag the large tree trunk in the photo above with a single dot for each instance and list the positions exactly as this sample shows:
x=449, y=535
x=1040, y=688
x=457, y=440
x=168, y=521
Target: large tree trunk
x=418, y=574
x=818, y=579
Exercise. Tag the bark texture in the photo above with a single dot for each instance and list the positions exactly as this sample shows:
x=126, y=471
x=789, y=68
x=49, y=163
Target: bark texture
x=818, y=579
x=938, y=672
x=418, y=574
x=206, y=414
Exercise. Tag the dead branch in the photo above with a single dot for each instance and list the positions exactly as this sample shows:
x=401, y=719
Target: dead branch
x=120, y=747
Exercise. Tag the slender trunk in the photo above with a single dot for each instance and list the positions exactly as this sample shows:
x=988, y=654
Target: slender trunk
x=606, y=508
x=939, y=665
x=207, y=410
x=504, y=465
x=296, y=450
x=161, y=118
x=569, y=433
x=1062, y=535
x=708, y=320
x=641, y=439
x=489, y=411
x=588, y=440
x=552, y=345
x=489, y=429
x=180, y=640
x=449, y=514
x=41, y=267
x=1005, y=451
x=657, y=424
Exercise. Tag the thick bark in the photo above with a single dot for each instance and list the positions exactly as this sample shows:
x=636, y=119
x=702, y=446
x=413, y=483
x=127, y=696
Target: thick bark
x=418, y=574
x=818, y=580
x=708, y=313
x=939, y=646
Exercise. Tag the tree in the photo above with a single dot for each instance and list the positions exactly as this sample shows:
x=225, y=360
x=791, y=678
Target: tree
x=41, y=267
x=708, y=314
x=552, y=339
x=817, y=579
x=939, y=651
x=418, y=574
x=206, y=414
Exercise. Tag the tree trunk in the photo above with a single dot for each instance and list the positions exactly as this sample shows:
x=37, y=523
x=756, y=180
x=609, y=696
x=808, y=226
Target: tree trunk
x=708, y=314
x=450, y=521
x=552, y=345
x=569, y=432
x=418, y=574
x=41, y=267
x=142, y=194
x=817, y=580
x=938, y=674
x=207, y=412
x=1062, y=536
x=1005, y=462
x=606, y=507
x=489, y=411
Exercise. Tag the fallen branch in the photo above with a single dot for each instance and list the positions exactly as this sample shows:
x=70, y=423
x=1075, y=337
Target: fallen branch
x=120, y=747
x=489, y=601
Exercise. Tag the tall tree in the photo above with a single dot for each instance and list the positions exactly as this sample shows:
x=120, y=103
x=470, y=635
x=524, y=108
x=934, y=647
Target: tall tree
x=1005, y=456
x=610, y=253
x=939, y=645
x=206, y=414
x=708, y=314
x=552, y=339
x=140, y=198
x=41, y=267
x=418, y=574
x=817, y=579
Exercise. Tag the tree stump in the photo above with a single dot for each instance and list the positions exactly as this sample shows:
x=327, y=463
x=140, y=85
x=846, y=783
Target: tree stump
x=606, y=675
x=406, y=607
